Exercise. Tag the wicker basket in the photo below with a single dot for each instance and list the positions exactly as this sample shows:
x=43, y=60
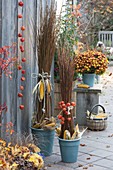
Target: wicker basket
x=97, y=123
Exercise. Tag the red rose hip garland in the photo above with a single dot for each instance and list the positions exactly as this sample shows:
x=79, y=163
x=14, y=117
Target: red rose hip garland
x=23, y=60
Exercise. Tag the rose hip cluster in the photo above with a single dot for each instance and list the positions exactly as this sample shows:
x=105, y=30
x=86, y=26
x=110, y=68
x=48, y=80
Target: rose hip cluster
x=65, y=111
x=23, y=60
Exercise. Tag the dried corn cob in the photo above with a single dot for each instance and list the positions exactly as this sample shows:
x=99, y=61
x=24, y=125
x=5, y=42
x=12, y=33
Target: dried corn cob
x=48, y=86
x=41, y=90
x=83, y=86
x=66, y=135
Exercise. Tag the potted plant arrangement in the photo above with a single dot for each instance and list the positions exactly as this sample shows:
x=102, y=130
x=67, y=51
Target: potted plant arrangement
x=43, y=123
x=90, y=63
x=68, y=134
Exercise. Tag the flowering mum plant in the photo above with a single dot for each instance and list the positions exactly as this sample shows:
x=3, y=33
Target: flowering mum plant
x=91, y=61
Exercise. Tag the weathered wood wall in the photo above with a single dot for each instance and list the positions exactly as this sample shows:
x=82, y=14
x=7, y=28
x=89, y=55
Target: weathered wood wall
x=9, y=29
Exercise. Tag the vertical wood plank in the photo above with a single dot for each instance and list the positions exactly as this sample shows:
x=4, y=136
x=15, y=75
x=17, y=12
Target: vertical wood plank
x=9, y=29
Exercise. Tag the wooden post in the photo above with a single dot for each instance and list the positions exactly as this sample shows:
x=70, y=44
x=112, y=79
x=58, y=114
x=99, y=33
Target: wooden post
x=85, y=100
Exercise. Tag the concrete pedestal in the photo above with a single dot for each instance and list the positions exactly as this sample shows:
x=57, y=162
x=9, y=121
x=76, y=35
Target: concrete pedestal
x=85, y=100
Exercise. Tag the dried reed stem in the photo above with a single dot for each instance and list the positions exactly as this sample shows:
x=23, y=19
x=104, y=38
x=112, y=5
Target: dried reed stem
x=66, y=71
x=46, y=44
x=46, y=37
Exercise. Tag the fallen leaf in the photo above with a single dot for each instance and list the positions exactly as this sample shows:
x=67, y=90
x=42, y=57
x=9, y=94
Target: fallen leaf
x=85, y=167
x=91, y=155
x=49, y=165
x=108, y=146
x=110, y=74
x=90, y=165
x=88, y=158
x=80, y=165
x=83, y=144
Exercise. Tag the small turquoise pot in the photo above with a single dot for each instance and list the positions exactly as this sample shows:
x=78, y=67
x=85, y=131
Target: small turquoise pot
x=69, y=149
x=88, y=79
x=44, y=139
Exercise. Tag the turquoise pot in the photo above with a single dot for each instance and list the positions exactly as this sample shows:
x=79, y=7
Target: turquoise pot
x=89, y=79
x=44, y=139
x=69, y=149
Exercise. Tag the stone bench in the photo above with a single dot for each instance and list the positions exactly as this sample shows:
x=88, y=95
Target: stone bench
x=85, y=100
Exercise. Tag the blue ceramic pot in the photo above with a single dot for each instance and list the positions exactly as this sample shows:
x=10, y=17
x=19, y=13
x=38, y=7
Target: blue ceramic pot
x=88, y=79
x=44, y=139
x=69, y=149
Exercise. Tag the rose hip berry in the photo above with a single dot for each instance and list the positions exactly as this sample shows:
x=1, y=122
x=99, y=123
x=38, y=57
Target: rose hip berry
x=19, y=35
x=22, y=28
x=21, y=87
x=23, y=71
x=22, y=78
x=20, y=95
x=21, y=107
x=21, y=3
x=20, y=16
x=19, y=67
x=22, y=39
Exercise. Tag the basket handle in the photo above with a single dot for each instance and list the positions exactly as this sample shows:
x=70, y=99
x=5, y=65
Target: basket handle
x=96, y=106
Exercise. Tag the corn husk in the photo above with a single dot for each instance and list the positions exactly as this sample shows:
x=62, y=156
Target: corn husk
x=76, y=133
x=41, y=90
x=48, y=86
x=67, y=135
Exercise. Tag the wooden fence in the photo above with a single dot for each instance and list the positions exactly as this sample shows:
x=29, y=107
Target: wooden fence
x=106, y=37
x=9, y=29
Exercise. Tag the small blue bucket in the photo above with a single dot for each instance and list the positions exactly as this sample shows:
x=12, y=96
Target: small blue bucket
x=89, y=79
x=69, y=149
x=44, y=139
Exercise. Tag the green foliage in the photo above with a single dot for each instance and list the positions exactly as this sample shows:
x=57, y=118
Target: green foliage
x=67, y=35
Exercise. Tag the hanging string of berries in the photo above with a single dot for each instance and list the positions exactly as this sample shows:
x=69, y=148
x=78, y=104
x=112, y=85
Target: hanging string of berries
x=23, y=60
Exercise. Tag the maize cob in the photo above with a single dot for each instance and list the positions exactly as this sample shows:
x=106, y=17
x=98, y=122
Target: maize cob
x=41, y=90
x=66, y=135
x=50, y=125
x=58, y=130
x=83, y=86
x=76, y=133
x=37, y=125
x=48, y=86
